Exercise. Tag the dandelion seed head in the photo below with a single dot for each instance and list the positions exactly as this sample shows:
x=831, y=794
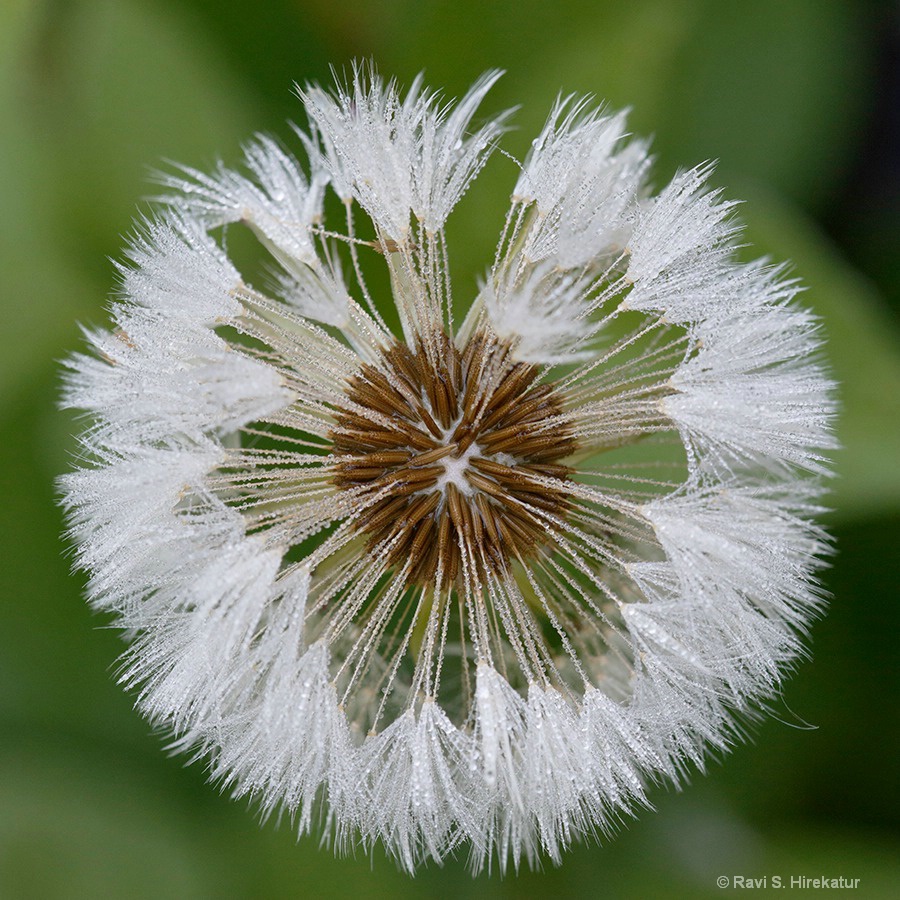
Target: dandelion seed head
x=451, y=584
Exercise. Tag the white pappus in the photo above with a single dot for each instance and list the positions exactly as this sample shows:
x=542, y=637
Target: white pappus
x=474, y=580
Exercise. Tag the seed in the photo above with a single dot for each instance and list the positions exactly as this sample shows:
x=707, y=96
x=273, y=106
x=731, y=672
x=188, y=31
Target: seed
x=428, y=524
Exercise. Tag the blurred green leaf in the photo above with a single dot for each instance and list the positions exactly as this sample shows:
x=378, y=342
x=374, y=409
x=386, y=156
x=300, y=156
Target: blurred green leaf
x=71, y=829
x=285, y=42
x=834, y=852
x=93, y=95
x=39, y=288
x=776, y=91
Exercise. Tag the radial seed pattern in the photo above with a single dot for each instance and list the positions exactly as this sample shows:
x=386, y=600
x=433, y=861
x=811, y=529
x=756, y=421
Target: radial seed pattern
x=459, y=457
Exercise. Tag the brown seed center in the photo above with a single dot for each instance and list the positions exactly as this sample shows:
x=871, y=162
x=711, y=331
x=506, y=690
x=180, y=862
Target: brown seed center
x=454, y=457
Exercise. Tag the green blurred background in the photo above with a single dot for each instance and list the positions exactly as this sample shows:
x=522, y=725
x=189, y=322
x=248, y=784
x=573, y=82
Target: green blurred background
x=800, y=102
